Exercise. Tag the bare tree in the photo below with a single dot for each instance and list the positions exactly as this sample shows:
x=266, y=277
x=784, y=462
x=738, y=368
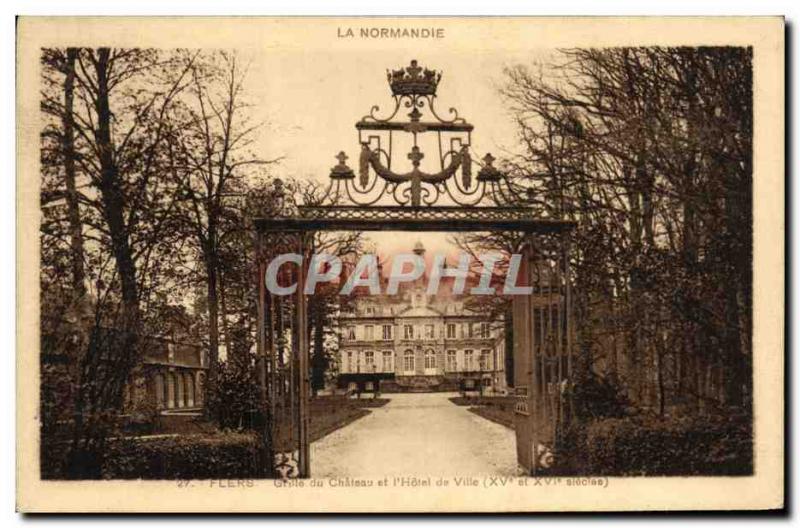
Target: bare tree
x=650, y=150
x=210, y=167
x=114, y=122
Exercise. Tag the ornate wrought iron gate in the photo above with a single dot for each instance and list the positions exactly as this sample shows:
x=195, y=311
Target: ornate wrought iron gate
x=283, y=359
x=380, y=199
x=542, y=325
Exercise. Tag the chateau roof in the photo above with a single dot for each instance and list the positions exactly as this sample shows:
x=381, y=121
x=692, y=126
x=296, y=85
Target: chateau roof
x=419, y=311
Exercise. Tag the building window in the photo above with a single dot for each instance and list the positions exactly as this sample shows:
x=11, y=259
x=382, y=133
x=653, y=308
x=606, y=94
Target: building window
x=484, y=331
x=408, y=332
x=429, y=331
x=348, y=363
x=351, y=333
x=452, y=361
x=369, y=334
x=468, y=364
x=486, y=359
x=167, y=396
x=179, y=390
x=470, y=330
x=451, y=330
x=387, y=361
x=201, y=380
x=408, y=361
x=172, y=391
x=387, y=332
x=430, y=359
x=160, y=392
x=189, y=392
x=369, y=361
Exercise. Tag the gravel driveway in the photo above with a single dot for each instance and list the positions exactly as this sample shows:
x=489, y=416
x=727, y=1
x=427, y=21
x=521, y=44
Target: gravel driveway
x=421, y=434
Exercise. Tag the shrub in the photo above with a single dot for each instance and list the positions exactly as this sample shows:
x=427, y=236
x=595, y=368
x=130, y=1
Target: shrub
x=234, y=398
x=599, y=397
x=229, y=455
x=647, y=445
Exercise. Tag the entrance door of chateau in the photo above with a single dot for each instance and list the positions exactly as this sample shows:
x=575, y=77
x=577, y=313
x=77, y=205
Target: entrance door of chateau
x=451, y=199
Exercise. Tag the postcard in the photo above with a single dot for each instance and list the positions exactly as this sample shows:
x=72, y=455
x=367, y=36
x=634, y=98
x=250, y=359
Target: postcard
x=400, y=264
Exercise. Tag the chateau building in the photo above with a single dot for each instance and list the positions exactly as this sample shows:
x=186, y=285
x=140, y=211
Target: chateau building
x=173, y=369
x=417, y=341
x=176, y=374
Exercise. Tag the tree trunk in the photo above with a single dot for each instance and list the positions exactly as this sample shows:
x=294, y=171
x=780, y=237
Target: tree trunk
x=73, y=212
x=224, y=308
x=80, y=312
x=112, y=195
x=101, y=389
x=213, y=321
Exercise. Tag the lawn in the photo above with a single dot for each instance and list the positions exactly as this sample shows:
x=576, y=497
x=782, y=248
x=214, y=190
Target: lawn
x=327, y=414
x=499, y=409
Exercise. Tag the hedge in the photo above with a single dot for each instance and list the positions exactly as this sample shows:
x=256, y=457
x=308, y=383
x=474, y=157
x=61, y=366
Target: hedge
x=642, y=445
x=505, y=402
x=205, y=454
x=222, y=455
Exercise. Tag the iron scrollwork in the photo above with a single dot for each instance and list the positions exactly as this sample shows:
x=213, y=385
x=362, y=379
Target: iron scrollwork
x=377, y=183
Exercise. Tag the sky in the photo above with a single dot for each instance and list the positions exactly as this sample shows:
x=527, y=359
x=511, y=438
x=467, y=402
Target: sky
x=310, y=103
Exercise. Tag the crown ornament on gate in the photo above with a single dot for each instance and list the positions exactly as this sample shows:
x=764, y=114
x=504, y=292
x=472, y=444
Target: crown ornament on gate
x=376, y=179
x=413, y=80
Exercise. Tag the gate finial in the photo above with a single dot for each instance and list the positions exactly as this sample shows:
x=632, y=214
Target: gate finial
x=414, y=80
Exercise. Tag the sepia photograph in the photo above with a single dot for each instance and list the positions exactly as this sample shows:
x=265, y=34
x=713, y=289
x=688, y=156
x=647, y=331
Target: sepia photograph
x=380, y=257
